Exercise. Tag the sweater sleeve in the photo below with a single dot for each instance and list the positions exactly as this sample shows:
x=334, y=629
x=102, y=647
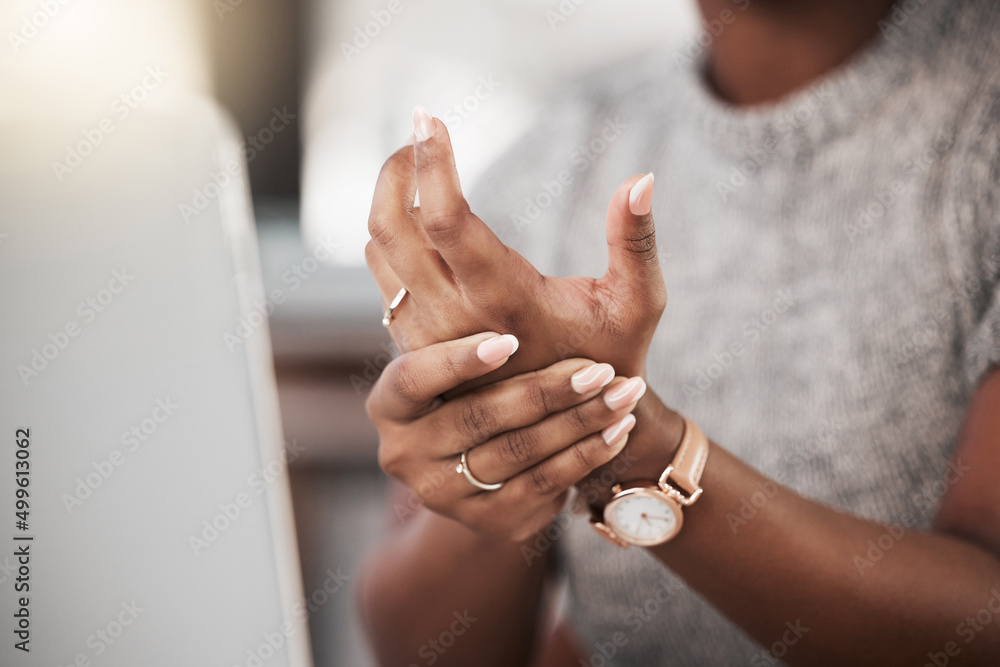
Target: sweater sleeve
x=981, y=353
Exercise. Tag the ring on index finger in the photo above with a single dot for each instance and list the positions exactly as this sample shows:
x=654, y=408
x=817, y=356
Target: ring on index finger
x=387, y=315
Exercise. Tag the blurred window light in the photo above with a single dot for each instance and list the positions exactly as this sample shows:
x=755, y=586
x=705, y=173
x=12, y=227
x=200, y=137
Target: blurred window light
x=77, y=57
x=484, y=67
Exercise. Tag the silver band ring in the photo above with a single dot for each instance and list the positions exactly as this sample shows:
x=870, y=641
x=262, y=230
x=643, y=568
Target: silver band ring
x=387, y=315
x=463, y=467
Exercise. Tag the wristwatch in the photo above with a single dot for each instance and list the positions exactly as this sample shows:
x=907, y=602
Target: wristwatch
x=647, y=513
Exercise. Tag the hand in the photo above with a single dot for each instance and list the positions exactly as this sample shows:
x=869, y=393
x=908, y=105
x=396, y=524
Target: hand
x=651, y=448
x=462, y=279
x=539, y=433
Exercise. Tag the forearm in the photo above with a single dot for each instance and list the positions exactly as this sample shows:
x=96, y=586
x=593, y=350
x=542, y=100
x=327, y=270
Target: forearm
x=797, y=564
x=434, y=577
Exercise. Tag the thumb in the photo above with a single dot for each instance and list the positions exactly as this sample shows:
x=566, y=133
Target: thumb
x=633, y=265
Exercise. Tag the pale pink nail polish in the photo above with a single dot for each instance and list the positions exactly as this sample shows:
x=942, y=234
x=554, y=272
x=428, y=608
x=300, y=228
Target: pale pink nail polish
x=640, y=198
x=497, y=349
x=423, y=124
x=614, y=432
x=592, y=378
x=627, y=392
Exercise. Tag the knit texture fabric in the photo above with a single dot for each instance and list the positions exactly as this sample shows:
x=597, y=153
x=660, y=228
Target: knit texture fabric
x=832, y=265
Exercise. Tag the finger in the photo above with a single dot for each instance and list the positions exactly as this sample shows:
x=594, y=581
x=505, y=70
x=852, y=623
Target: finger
x=555, y=475
x=516, y=402
x=395, y=230
x=513, y=452
x=463, y=240
x=413, y=381
x=633, y=264
x=389, y=286
x=386, y=279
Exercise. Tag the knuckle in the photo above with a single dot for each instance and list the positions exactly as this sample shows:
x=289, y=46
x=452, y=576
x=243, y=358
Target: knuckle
x=405, y=385
x=583, y=458
x=476, y=422
x=540, y=481
x=578, y=419
x=371, y=406
x=453, y=362
x=517, y=447
x=518, y=494
x=375, y=400
x=643, y=245
x=445, y=223
x=537, y=392
x=382, y=230
x=391, y=459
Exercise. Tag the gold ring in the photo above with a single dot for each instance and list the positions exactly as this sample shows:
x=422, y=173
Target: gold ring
x=387, y=315
x=463, y=467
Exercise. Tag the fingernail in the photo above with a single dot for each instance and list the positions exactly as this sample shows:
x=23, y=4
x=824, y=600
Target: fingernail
x=496, y=349
x=617, y=446
x=592, y=377
x=411, y=140
x=626, y=393
x=612, y=433
x=640, y=198
x=423, y=124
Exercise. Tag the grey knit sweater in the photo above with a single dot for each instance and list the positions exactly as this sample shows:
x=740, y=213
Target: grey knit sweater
x=832, y=262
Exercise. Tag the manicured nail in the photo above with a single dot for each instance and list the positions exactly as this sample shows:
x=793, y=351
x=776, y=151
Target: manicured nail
x=626, y=393
x=640, y=198
x=497, y=349
x=612, y=433
x=617, y=446
x=423, y=124
x=592, y=377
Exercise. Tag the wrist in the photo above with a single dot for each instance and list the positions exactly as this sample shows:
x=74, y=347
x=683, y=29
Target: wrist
x=650, y=449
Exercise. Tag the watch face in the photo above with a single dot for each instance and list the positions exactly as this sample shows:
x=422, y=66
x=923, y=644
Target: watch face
x=643, y=517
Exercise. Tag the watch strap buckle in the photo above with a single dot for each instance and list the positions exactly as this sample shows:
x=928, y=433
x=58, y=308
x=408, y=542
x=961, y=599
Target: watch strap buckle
x=681, y=479
x=685, y=497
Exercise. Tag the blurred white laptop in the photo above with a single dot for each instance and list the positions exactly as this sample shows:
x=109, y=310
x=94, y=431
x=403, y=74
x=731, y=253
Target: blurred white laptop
x=137, y=399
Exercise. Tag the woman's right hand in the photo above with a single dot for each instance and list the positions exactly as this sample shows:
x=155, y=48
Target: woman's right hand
x=539, y=432
x=461, y=278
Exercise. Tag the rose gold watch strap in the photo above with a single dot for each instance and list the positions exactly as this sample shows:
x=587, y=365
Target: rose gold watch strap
x=689, y=461
x=684, y=472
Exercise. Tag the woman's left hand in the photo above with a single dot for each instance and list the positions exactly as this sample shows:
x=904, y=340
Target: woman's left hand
x=461, y=279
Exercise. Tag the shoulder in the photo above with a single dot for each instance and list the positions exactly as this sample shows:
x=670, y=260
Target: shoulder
x=959, y=82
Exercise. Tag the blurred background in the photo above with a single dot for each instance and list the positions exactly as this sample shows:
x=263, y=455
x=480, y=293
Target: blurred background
x=322, y=92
